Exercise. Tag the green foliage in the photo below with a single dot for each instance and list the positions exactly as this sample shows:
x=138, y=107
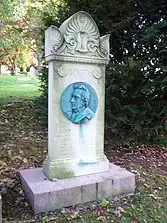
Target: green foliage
x=11, y=33
x=133, y=104
x=43, y=78
x=104, y=203
x=13, y=47
x=9, y=8
x=42, y=101
x=148, y=204
x=161, y=141
x=136, y=82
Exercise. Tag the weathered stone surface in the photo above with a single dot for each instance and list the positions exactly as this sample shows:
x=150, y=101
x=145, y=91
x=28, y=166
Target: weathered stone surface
x=78, y=39
x=45, y=195
x=76, y=53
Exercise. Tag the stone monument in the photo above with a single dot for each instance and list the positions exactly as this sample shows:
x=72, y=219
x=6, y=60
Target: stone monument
x=76, y=169
x=77, y=57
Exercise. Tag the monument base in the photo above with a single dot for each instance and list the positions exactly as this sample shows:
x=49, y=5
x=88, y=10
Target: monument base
x=45, y=195
x=66, y=168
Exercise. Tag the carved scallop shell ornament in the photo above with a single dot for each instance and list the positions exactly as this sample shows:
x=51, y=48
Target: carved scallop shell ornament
x=104, y=45
x=82, y=34
x=56, y=37
x=79, y=37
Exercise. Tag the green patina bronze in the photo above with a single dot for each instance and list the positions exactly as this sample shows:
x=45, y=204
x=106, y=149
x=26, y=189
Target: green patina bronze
x=79, y=102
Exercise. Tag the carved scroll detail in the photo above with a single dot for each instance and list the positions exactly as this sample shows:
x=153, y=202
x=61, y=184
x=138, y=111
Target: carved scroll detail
x=78, y=37
x=104, y=45
x=57, y=38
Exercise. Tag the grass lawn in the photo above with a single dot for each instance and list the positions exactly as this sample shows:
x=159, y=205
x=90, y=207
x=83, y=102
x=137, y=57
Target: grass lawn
x=18, y=87
x=23, y=144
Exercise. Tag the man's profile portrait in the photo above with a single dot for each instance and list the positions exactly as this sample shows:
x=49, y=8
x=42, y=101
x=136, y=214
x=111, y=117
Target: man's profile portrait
x=80, y=112
x=79, y=100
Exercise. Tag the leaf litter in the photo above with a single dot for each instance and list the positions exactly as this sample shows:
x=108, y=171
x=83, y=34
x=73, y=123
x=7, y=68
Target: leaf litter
x=23, y=142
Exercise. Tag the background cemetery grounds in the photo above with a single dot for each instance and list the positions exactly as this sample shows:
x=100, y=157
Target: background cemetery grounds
x=23, y=142
x=20, y=86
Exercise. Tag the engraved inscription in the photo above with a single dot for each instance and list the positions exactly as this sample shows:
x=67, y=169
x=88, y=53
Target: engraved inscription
x=62, y=138
x=80, y=72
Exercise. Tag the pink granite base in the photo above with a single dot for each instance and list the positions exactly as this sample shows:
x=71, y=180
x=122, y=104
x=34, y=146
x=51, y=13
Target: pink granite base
x=45, y=195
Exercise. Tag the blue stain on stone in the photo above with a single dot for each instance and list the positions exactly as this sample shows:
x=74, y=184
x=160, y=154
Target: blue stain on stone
x=79, y=102
x=81, y=134
x=81, y=162
x=81, y=137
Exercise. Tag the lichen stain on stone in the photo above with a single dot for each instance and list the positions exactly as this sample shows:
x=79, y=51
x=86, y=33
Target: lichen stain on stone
x=61, y=173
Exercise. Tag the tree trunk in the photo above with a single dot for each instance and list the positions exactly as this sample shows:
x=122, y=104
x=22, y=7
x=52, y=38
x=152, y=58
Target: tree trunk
x=12, y=70
x=39, y=66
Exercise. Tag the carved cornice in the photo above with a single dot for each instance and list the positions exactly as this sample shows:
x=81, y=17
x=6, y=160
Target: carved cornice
x=77, y=39
x=86, y=60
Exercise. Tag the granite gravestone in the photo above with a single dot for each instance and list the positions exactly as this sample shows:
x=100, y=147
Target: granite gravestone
x=76, y=169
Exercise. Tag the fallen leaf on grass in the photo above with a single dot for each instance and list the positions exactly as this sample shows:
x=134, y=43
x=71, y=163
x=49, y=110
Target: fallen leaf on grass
x=146, y=185
x=154, y=197
x=9, y=152
x=25, y=160
x=118, y=212
x=134, y=217
x=101, y=218
x=2, y=164
x=74, y=215
x=21, y=152
x=52, y=218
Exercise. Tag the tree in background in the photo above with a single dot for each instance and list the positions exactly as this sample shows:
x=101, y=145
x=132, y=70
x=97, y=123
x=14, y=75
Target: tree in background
x=136, y=86
x=12, y=45
x=22, y=28
x=13, y=48
x=136, y=83
x=35, y=18
x=9, y=9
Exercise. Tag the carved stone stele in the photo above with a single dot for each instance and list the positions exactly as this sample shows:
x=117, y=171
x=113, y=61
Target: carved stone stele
x=78, y=37
x=77, y=57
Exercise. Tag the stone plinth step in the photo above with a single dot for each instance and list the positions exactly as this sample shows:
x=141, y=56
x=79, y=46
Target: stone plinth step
x=45, y=195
